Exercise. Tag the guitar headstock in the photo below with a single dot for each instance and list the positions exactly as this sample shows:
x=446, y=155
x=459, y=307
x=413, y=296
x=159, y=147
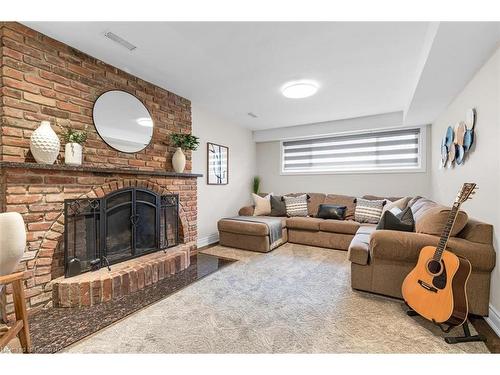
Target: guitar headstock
x=466, y=192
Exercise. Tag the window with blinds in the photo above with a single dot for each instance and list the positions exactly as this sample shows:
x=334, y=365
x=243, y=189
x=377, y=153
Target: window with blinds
x=370, y=151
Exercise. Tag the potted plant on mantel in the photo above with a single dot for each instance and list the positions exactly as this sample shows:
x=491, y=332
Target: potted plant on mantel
x=74, y=144
x=182, y=142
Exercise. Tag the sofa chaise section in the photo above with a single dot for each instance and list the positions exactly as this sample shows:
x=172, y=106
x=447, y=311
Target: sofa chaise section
x=248, y=235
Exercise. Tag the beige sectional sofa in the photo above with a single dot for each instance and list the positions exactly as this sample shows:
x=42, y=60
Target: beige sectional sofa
x=380, y=259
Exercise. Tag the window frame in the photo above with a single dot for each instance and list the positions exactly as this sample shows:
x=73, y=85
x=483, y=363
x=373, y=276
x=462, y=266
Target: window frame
x=422, y=153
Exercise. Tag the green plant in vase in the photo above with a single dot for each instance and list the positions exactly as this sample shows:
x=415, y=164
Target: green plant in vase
x=182, y=142
x=73, y=150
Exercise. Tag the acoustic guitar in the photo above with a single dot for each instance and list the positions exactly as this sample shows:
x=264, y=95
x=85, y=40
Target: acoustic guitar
x=436, y=287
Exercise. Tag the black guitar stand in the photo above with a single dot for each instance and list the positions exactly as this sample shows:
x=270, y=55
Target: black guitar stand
x=467, y=337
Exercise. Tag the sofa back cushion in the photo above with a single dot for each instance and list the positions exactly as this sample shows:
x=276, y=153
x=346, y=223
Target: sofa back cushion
x=378, y=198
x=477, y=231
x=434, y=220
x=343, y=200
x=315, y=199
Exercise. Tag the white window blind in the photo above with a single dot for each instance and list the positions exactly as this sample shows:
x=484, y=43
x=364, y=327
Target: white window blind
x=370, y=151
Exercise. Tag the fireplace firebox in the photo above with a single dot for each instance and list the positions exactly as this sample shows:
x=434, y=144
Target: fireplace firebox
x=122, y=225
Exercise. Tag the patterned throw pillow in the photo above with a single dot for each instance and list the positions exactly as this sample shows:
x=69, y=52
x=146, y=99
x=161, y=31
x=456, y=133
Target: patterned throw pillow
x=368, y=211
x=296, y=206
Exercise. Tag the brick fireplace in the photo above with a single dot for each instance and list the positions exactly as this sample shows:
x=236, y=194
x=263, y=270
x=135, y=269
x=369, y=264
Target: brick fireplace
x=43, y=79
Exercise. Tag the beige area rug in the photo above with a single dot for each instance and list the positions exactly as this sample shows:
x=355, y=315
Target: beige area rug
x=296, y=299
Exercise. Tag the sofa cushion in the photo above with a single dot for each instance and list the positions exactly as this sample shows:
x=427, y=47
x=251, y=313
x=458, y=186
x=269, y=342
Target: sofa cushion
x=377, y=198
x=419, y=206
x=243, y=227
x=476, y=231
x=305, y=223
x=315, y=199
x=343, y=200
x=246, y=227
x=359, y=249
x=339, y=226
x=434, y=220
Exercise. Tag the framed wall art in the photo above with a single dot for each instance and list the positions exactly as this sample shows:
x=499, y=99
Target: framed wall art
x=217, y=164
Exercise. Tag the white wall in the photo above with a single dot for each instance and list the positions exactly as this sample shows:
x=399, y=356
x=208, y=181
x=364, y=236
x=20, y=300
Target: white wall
x=483, y=164
x=357, y=184
x=215, y=202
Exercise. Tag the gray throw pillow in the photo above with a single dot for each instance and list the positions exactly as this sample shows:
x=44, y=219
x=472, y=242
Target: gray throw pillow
x=403, y=221
x=278, y=207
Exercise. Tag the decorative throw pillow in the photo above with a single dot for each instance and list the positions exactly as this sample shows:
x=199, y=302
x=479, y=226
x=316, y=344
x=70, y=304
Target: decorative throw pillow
x=368, y=211
x=262, y=205
x=403, y=221
x=400, y=203
x=331, y=211
x=296, y=206
x=278, y=207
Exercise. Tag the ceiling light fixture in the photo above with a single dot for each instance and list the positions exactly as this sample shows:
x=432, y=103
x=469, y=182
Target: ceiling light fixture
x=118, y=39
x=299, y=89
x=145, y=121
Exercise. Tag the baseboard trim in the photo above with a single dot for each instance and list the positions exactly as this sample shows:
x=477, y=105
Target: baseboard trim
x=207, y=240
x=493, y=320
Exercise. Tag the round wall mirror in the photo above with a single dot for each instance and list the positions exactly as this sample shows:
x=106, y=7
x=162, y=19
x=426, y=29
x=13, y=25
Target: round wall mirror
x=122, y=121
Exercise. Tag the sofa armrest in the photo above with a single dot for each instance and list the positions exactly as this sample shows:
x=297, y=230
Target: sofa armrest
x=246, y=211
x=399, y=246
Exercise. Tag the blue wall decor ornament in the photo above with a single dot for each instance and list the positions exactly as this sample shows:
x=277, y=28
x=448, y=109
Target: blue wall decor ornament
x=457, y=141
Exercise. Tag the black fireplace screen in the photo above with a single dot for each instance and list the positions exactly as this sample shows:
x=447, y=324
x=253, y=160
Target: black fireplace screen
x=124, y=224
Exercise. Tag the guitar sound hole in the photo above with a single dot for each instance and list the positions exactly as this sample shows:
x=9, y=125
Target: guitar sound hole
x=434, y=267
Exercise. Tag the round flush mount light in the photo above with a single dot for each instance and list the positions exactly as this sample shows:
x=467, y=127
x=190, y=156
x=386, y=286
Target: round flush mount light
x=299, y=89
x=144, y=121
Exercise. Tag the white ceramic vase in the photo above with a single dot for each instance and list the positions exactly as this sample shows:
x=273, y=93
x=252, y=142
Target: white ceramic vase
x=44, y=144
x=73, y=153
x=179, y=160
x=12, y=241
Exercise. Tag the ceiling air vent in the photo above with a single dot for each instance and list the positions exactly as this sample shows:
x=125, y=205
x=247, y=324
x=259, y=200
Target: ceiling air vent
x=251, y=114
x=115, y=38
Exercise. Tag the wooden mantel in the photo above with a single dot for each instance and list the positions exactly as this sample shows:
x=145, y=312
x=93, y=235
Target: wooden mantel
x=96, y=170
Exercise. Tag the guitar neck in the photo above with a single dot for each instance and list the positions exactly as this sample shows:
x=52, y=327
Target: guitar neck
x=445, y=235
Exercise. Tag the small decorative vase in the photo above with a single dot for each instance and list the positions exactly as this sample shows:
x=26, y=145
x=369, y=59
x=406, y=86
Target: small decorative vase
x=179, y=161
x=12, y=241
x=73, y=154
x=44, y=144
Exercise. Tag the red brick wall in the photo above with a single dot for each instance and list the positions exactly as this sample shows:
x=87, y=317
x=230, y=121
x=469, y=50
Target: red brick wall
x=44, y=79
x=39, y=196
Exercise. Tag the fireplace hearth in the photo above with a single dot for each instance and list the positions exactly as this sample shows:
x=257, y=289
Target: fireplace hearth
x=122, y=225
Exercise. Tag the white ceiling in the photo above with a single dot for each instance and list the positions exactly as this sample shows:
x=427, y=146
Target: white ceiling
x=363, y=68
